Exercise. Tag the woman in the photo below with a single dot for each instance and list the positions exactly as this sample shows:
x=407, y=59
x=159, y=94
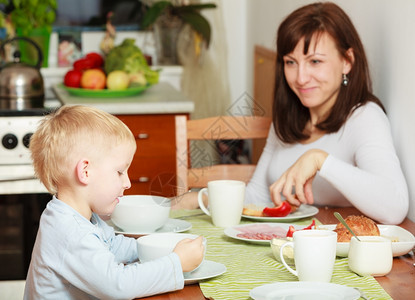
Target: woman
x=331, y=142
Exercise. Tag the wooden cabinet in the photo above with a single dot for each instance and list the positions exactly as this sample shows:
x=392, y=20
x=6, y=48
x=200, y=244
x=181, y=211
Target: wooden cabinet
x=264, y=81
x=153, y=170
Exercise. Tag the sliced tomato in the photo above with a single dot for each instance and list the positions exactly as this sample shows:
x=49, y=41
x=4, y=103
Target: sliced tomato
x=279, y=211
x=291, y=229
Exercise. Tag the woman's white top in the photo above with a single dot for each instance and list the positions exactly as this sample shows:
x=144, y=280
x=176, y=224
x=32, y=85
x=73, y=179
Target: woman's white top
x=362, y=168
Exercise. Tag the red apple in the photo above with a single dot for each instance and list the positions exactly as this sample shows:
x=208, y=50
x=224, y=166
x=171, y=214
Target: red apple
x=73, y=78
x=83, y=64
x=94, y=79
x=96, y=58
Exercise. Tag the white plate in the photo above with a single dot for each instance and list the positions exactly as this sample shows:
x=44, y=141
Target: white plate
x=303, y=211
x=406, y=240
x=277, y=228
x=172, y=225
x=302, y=290
x=208, y=269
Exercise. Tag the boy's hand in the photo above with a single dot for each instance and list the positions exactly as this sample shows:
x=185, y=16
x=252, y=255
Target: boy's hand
x=190, y=253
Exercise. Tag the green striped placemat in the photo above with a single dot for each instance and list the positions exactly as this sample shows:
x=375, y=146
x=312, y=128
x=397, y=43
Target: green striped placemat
x=250, y=265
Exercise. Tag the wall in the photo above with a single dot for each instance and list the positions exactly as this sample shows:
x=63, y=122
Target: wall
x=235, y=20
x=387, y=29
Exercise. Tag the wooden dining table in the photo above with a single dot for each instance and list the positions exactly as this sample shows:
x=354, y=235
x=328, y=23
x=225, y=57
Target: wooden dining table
x=399, y=283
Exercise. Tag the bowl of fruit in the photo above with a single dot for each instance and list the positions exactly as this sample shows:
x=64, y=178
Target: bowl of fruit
x=123, y=72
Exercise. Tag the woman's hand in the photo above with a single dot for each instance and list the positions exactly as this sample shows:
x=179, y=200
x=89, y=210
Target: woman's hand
x=186, y=201
x=299, y=176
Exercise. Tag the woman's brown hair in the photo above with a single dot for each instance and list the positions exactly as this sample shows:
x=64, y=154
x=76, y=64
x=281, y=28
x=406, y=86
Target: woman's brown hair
x=289, y=115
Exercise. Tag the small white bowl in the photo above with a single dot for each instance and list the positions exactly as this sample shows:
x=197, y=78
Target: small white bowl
x=288, y=252
x=370, y=256
x=157, y=245
x=141, y=213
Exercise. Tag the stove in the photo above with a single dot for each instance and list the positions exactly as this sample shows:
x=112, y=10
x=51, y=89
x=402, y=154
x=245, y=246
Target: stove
x=16, y=170
x=22, y=196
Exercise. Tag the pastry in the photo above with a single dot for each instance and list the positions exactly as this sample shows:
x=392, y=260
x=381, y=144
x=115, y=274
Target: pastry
x=359, y=224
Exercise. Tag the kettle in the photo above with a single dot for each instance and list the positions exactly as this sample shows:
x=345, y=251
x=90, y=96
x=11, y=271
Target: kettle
x=21, y=85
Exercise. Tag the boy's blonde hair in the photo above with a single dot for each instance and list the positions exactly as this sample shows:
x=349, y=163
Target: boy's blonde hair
x=68, y=132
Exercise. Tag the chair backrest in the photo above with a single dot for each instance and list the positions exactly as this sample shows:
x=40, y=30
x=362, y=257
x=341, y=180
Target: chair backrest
x=214, y=129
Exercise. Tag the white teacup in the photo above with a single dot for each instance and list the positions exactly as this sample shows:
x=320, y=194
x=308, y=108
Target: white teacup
x=226, y=201
x=371, y=256
x=314, y=254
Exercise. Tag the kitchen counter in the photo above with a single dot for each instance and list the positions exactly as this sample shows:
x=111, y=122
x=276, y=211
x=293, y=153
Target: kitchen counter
x=161, y=98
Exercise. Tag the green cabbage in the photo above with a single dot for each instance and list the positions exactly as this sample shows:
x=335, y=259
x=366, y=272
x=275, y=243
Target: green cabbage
x=129, y=58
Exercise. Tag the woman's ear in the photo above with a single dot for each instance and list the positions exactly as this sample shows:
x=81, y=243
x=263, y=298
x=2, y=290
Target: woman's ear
x=348, y=62
x=82, y=170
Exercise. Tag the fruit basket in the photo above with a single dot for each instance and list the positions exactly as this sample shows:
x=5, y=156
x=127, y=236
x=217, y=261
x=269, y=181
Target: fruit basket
x=105, y=93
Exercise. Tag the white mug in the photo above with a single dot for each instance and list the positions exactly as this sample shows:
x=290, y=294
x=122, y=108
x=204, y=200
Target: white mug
x=226, y=200
x=314, y=254
x=371, y=256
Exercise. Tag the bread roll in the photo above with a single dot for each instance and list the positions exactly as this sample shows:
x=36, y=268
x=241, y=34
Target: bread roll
x=252, y=212
x=359, y=224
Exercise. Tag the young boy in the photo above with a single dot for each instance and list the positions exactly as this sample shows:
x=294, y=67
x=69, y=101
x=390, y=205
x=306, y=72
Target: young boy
x=82, y=156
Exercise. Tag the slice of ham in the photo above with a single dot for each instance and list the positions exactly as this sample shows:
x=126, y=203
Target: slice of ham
x=261, y=232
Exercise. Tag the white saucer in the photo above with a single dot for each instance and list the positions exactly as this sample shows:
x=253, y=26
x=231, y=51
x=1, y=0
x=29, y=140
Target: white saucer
x=302, y=290
x=172, y=225
x=208, y=269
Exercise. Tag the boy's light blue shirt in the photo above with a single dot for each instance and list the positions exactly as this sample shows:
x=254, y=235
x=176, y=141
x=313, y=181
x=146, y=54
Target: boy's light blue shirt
x=74, y=258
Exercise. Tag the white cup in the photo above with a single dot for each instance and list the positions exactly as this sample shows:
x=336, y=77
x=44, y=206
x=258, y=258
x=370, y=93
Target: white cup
x=371, y=256
x=226, y=200
x=156, y=245
x=314, y=254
